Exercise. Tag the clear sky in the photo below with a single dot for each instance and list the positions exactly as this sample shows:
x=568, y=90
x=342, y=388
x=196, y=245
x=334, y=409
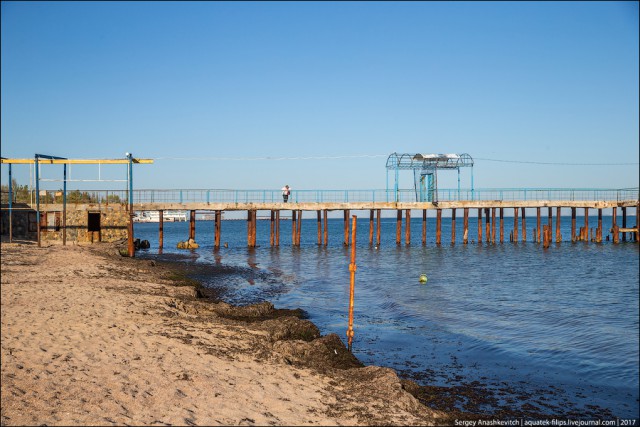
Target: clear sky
x=316, y=95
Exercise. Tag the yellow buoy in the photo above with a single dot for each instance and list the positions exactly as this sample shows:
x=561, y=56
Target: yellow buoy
x=423, y=278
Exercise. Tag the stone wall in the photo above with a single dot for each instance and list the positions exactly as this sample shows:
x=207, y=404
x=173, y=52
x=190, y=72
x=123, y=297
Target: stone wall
x=110, y=223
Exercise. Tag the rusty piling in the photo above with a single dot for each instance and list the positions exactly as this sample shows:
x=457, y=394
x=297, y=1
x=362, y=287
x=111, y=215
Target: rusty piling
x=479, y=226
x=493, y=226
x=407, y=227
x=558, y=234
x=424, y=227
x=346, y=227
x=453, y=226
x=378, y=213
x=438, y=226
x=465, y=226
x=398, y=226
x=487, y=225
x=501, y=225
x=217, y=228
x=192, y=224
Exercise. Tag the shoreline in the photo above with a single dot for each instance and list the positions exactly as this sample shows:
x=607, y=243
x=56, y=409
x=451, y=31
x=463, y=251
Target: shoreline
x=89, y=337
x=463, y=399
x=141, y=338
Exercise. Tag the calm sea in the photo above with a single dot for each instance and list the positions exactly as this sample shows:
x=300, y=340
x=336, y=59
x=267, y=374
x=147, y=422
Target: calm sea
x=560, y=324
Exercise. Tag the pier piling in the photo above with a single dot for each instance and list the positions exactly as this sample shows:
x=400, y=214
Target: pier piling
x=558, y=234
x=453, y=226
x=407, y=227
x=424, y=227
x=465, y=226
x=438, y=226
x=479, y=226
x=487, y=225
x=515, y=225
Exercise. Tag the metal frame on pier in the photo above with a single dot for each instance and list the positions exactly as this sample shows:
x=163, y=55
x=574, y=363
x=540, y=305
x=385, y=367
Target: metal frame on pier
x=425, y=171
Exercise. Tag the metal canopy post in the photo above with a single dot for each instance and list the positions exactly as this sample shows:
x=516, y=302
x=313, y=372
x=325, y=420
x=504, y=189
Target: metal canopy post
x=37, y=201
x=132, y=250
x=64, y=207
x=10, y=206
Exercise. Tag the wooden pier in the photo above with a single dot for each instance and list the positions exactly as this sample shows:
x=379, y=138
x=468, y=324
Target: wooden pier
x=491, y=211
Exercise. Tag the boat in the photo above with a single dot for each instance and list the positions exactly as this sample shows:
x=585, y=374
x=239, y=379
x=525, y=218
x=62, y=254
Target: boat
x=154, y=216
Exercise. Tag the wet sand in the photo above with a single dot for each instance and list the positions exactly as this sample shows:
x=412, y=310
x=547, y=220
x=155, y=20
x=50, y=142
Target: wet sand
x=93, y=338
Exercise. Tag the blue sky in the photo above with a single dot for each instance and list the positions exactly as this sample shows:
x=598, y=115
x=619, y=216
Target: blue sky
x=317, y=94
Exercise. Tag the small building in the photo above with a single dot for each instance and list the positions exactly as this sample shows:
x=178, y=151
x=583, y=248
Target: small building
x=84, y=222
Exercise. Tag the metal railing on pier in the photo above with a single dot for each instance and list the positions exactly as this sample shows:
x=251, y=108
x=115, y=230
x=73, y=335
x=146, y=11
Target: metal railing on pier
x=323, y=196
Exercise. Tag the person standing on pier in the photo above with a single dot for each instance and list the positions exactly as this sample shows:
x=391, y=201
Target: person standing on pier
x=285, y=193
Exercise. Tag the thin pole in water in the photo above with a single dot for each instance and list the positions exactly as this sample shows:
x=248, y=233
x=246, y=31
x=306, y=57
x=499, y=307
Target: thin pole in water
x=352, y=270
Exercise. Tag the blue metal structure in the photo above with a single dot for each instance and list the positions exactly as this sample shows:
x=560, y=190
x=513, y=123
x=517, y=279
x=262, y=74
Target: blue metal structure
x=425, y=171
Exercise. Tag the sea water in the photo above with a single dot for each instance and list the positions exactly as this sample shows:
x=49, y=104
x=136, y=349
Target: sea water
x=560, y=323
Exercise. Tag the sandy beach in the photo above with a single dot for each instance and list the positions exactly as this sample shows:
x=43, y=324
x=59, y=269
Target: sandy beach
x=93, y=338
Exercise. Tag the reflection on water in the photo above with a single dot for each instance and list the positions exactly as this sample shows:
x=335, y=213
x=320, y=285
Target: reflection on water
x=562, y=319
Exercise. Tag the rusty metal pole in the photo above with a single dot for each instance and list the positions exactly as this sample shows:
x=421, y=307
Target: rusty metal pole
x=160, y=230
x=438, y=226
x=465, y=226
x=550, y=223
x=558, y=234
x=479, y=226
x=624, y=223
x=352, y=271
x=524, y=224
x=407, y=227
x=453, y=226
x=573, y=224
x=398, y=225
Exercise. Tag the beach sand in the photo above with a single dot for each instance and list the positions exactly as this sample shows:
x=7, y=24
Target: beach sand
x=93, y=338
